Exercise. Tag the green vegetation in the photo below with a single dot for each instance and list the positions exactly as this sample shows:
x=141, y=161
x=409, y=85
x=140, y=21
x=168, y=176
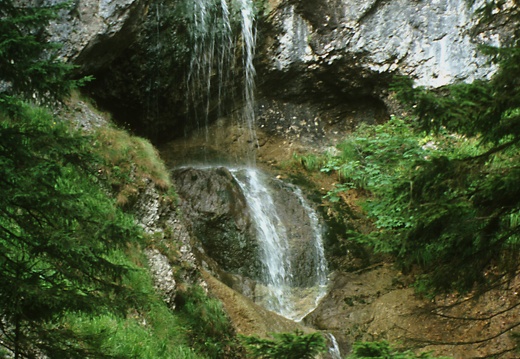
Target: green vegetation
x=208, y=326
x=57, y=229
x=286, y=346
x=383, y=350
x=441, y=186
x=132, y=163
x=29, y=65
x=74, y=281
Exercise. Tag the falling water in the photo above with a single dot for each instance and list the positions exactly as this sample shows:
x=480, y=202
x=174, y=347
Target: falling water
x=321, y=268
x=334, y=351
x=281, y=292
x=248, y=54
x=273, y=240
x=212, y=71
x=211, y=76
x=212, y=50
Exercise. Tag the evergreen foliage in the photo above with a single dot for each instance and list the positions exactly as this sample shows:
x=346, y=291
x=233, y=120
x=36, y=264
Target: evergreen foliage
x=383, y=350
x=71, y=283
x=150, y=331
x=57, y=229
x=207, y=325
x=441, y=186
x=29, y=66
x=465, y=206
x=285, y=346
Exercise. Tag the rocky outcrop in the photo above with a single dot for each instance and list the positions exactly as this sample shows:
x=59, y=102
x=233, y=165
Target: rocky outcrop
x=93, y=33
x=249, y=226
x=162, y=273
x=161, y=219
x=216, y=210
x=325, y=65
x=435, y=42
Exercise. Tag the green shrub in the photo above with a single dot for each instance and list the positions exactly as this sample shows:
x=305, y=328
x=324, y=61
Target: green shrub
x=383, y=350
x=208, y=326
x=285, y=346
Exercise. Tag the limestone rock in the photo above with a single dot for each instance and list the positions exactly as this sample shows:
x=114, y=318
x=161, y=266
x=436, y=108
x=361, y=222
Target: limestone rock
x=323, y=57
x=436, y=42
x=94, y=32
x=216, y=210
x=162, y=273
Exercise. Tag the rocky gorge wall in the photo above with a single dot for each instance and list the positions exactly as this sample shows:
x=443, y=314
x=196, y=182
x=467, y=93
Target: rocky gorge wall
x=322, y=65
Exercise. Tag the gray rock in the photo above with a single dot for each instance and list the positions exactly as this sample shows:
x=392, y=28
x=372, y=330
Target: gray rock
x=435, y=42
x=314, y=52
x=162, y=273
x=94, y=32
x=216, y=211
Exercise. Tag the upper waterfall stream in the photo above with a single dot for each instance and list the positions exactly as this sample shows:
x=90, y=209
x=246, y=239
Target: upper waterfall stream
x=214, y=71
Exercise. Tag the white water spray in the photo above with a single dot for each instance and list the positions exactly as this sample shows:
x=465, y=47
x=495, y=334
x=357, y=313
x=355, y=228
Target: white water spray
x=334, y=351
x=212, y=74
x=212, y=51
x=273, y=241
x=321, y=267
x=248, y=54
x=280, y=292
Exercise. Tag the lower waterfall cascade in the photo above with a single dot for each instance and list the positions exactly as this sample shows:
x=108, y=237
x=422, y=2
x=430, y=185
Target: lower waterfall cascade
x=280, y=275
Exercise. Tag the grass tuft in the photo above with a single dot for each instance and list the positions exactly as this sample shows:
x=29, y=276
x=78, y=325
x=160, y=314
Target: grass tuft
x=131, y=163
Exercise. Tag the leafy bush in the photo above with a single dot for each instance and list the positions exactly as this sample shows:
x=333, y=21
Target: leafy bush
x=208, y=326
x=383, y=350
x=285, y=346
x=443, y=186
x=442, y=201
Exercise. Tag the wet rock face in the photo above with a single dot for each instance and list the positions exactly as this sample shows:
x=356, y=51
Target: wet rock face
x=217, y=212
x=221, y=222
x=300, y=234
x=135, y=51
x=93, y=33
x=315, y=58
x=436, y=42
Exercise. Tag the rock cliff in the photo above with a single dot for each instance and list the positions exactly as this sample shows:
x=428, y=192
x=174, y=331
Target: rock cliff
x=320, y=63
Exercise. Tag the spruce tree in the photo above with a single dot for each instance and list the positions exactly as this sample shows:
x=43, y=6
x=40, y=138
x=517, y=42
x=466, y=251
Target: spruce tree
x=29, y=65
x=58, y=227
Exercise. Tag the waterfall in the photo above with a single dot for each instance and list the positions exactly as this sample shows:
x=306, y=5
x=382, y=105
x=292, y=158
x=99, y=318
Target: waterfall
x=334, y=351
x=273, y=241
x=212, y=72
x=211, y=38
x=294, y=270
x=248, y=54
x=321, y=267
x=285, y=291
